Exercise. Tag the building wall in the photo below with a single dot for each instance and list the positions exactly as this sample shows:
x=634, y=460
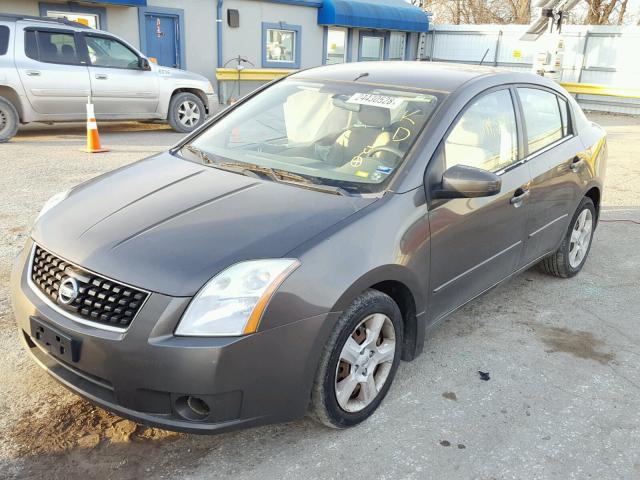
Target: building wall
x=247, y=39
x=123, y=22
x=199, y=37
x=21, y=7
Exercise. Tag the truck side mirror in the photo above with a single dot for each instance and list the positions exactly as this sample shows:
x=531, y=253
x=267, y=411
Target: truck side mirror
x=144, y=64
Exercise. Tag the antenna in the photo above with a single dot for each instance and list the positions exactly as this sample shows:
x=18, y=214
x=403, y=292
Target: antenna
x=484, y=56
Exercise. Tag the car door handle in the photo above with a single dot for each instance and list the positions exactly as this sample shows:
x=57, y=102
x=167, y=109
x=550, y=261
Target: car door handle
x=518, y=196
x=33, y=73
x=576, y=163
x=101, y=76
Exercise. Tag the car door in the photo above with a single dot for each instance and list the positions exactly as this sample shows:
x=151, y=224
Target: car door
x=554, y=157
x=476, y=242
x=52, y=72
x=120, y=87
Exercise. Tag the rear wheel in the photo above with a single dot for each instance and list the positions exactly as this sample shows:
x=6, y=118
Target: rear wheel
x=359, y=361
x=569, y=259
x=186, y=112
x=9, y=120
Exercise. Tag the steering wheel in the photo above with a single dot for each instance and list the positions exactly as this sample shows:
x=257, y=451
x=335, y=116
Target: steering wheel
x=385, y=148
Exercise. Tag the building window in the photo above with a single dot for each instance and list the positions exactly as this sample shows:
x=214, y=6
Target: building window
x=336, y=46
x=87, y=19
x=397, y=45
x=94, y=17
x=371, y=47
x=281, y=45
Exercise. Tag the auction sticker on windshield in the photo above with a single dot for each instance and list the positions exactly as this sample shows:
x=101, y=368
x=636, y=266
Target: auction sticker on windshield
x=374, y=100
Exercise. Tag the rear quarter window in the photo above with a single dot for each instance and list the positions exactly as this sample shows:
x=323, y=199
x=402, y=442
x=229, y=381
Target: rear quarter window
x=4, y=39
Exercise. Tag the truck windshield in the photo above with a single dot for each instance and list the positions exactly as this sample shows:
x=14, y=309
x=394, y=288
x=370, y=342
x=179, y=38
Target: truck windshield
x=350, y=136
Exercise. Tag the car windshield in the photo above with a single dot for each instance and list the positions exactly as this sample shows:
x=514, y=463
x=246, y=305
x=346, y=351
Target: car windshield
x=348, y=136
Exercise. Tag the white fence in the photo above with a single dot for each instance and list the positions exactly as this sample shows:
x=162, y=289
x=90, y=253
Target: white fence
x=606, y=55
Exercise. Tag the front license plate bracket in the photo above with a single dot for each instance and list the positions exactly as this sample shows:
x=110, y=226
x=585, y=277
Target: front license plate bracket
x=58, y=344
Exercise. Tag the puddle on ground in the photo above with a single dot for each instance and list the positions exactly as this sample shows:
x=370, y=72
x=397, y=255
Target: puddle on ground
x=578, y=343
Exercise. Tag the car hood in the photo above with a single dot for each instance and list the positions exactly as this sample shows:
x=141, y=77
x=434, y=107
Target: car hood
x=178, y=74
x=168, y=225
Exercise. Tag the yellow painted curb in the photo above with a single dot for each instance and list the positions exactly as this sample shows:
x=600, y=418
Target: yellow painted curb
x=255, y=74
x=592, y=89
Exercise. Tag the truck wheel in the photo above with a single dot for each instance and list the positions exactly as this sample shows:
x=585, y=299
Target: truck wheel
x=359, y=361
x=9, y=120
x=186, y=112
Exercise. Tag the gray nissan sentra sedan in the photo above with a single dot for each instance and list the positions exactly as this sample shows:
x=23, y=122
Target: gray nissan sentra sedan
x=285, y=257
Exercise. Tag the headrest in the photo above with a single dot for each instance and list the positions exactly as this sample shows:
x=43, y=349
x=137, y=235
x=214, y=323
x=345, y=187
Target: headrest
x=374, y=116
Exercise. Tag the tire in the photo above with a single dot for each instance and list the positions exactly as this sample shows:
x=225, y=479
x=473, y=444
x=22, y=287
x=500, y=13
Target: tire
x=369, y=309
x=9, y=120
x=181, y=107
x=562, y=263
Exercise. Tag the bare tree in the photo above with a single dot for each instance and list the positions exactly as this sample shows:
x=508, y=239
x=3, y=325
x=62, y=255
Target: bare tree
x=477, y=11
x=603, y=12
x=592, y=12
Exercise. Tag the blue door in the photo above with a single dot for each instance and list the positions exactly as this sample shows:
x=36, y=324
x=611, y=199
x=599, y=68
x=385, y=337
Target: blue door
x=163, y=39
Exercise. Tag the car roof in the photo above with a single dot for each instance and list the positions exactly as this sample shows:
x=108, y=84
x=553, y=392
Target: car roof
x=431, y=76
x=9, y=17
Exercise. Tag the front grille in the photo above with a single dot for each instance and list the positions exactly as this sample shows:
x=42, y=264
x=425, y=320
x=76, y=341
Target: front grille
x=98, y=299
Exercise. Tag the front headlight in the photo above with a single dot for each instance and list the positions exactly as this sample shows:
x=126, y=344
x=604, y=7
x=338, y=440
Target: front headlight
x=232, y=302
x=52, y=202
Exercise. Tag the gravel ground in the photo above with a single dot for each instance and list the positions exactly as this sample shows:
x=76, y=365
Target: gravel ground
x=562, y=401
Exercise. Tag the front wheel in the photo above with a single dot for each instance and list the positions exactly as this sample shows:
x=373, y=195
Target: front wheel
x=359, y=361
x=569, y=259
x=8, y=120
x=186, y=112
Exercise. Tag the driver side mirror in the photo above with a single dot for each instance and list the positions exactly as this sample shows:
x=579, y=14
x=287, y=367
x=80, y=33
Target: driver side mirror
x=461, y=181
x=144, y=64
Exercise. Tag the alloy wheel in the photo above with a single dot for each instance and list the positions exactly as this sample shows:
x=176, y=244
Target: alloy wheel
x=580, y=238
x=3, y=120
x=365, y=362
x=188, y=113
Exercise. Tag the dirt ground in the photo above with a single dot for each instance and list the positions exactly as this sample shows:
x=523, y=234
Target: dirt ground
x=562, y=400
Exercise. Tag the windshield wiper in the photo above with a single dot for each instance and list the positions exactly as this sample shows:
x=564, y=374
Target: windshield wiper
x=280, y=176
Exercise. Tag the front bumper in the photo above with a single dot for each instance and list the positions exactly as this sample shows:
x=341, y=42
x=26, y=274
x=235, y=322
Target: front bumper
x=212, y=104
x=145, y=373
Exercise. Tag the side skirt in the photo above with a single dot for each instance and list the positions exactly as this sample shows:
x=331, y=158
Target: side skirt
x=443, y=317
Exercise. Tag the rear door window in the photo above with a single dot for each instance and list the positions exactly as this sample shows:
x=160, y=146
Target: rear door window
x=4, y=39
x=51, y=47
x=541, y=116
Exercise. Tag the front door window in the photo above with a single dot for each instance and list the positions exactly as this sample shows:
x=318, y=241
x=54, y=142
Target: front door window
x=107, y=52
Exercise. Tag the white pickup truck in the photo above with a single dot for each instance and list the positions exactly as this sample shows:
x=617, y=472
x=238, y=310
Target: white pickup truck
x=50, y=67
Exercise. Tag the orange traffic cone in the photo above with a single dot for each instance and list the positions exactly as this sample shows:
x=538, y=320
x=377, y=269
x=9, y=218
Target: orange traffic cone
x=93, y=139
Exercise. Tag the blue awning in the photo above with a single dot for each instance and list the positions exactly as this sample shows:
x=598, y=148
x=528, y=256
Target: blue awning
x=379, y=14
